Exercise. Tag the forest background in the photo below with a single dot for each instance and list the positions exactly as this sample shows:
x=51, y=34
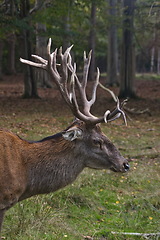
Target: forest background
x=99, y=205
x=118, y=32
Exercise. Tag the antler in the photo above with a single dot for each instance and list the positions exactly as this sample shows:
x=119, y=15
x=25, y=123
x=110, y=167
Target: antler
x=65, y=63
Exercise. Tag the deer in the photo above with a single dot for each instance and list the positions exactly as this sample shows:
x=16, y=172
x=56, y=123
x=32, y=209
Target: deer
x=29, y=168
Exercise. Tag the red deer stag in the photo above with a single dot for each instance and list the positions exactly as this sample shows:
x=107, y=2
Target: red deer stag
x=31, y=168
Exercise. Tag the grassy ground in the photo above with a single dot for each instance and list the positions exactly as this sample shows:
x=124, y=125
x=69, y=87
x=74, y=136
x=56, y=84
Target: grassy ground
x=98, y=203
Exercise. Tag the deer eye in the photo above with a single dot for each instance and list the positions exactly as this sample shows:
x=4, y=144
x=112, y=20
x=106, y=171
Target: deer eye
x=98, y=143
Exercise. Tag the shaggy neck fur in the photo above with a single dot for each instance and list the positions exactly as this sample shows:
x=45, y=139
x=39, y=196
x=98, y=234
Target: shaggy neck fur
x=50, y=172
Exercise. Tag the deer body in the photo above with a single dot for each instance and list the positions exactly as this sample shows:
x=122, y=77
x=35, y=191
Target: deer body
x=32, y=168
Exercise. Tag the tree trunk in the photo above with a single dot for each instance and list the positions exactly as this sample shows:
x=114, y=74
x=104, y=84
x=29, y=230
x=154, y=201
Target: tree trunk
x=66, y=27
x=30, y=85
x=153, y=52
x=152, y=59
x=158, y=62
x=22, y=41
x=127, y=72
x=1, y=51
x=92, y=41
x=112, y=47
x=11, y=42
x=42, y=77
x=127, y=69
x=11, y=54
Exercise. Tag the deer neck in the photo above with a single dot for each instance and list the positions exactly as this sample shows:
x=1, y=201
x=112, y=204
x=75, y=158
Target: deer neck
x=52, y=164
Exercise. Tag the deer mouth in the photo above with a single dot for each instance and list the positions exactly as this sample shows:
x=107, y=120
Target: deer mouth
x=125, y=168
x=113, y=169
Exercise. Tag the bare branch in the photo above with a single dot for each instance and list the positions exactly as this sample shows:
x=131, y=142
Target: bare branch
x=145, y=235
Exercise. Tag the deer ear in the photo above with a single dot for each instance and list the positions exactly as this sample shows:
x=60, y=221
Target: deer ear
x=72, y=134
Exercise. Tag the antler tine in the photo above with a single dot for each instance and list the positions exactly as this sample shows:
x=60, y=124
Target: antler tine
x=75, y=108
x=72, y=88
x=82, y=86
x=64, y=62
x=53, y=61
x=109, y=117
x=51, y=65
x=38, y=65
x=39, y=59
x=46, y=65
x=70, y=67
x=49, y=56
x=86, y=68
x=49, y=47
x=60, y=51
x=92, y=101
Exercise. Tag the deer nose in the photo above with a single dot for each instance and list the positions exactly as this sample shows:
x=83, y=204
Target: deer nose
x=126, y=166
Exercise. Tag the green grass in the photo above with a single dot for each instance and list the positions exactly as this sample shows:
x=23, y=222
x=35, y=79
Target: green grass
x=98, y=202
x=148, y=76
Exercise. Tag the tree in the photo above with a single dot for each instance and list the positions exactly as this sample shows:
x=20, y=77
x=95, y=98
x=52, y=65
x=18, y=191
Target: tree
x=92, y=40
x=127, y=70
x=112, y=46
x=1, y=49
x=14, y=18
x=42, y=77
x=24, y=39
x=11, y=54
x=11, y=41
x=7, y=14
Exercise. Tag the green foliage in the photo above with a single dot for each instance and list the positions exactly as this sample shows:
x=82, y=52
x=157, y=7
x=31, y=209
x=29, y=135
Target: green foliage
x=9, y=24
x=70, y=19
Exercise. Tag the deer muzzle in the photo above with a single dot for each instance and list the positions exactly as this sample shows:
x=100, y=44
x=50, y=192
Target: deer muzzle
x=124, y=168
